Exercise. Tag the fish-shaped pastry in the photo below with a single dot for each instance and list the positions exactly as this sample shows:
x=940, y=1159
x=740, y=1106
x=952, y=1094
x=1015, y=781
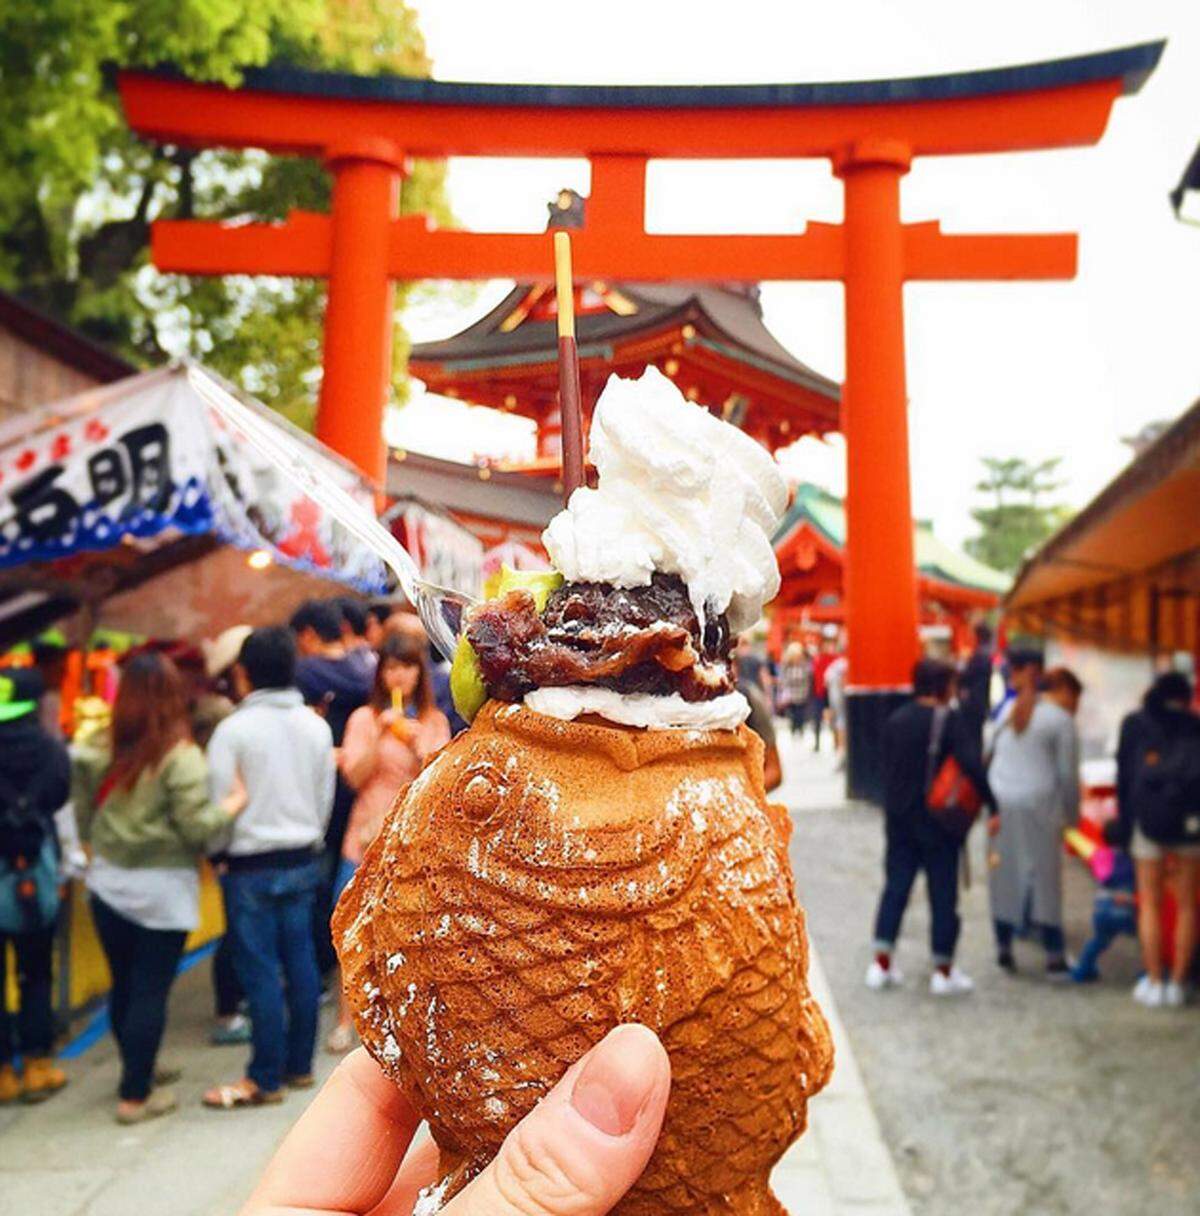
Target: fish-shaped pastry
x=542, y=881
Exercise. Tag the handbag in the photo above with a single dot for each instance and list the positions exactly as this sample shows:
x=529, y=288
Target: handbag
x=29, y=896
x=951, y=796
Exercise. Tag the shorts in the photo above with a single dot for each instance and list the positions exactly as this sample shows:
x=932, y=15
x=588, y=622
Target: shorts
x=1145, y=849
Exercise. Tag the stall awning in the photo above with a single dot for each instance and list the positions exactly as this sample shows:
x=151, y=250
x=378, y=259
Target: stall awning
x=1125, y=572
x=142, y=500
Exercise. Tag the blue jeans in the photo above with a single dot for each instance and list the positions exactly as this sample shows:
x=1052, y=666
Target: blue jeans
x=1109, y=921
x=341, y=880
x=270, y=915
x=913, y=845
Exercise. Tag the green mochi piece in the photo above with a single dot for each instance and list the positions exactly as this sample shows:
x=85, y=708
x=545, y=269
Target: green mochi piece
x=539, y=584
x=466, y=681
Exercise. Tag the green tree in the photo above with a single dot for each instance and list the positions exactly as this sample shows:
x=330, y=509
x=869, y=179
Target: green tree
x=78, y=191
x=1018, y=517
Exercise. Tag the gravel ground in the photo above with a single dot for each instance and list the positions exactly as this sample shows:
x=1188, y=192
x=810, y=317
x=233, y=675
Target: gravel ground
x=1025, y=1097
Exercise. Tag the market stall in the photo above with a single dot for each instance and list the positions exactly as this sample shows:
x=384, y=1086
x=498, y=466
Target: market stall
x=1124, y=574
x=132, y=502
x=141, y=506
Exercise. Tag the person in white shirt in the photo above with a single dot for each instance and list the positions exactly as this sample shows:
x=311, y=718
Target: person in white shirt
x=283, y=752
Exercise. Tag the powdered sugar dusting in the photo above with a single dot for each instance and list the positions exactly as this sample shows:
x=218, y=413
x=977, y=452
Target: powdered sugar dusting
x=429, y=1201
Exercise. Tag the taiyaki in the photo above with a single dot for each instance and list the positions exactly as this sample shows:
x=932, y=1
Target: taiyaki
x=542, y=881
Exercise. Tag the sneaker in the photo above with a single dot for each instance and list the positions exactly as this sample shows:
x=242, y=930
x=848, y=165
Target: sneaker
x=878, y=978
x=1058, y=970
x=231, y=1031
x=956, y=983
x=160, y=1102
x=1148, y=992
x=1174, y=995
x=43, y=1078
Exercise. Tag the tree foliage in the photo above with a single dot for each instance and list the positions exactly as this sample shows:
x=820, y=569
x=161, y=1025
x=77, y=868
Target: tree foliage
x=78, y=191
x=1018, y=517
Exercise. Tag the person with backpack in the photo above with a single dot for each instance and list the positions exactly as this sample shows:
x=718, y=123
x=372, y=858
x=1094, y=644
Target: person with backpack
x=35, y=781
x=919, y=739
x=1158, y=819
x=142, y=802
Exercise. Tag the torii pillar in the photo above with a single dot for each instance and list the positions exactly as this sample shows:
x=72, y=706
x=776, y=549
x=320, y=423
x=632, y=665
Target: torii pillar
x=363, y=128
x=882, y=627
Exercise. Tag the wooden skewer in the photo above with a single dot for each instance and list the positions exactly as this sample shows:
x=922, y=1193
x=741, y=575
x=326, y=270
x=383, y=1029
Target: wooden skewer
x=570, y=407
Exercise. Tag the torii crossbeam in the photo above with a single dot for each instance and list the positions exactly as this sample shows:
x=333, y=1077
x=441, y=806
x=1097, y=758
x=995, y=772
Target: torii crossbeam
x=365, y=129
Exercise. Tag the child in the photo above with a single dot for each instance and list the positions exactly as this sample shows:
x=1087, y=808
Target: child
x=1115, y=911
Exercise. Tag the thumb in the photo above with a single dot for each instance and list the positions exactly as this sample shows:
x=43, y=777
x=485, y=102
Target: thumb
x=587, y=1142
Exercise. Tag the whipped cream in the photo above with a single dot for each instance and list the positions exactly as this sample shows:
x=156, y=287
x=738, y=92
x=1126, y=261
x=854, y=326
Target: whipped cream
x=672, y=712
x=680, y=492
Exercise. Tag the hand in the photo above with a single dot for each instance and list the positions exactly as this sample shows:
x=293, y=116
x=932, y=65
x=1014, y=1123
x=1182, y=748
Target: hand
x=235, y=801
x=993, y=825
x=576, y=1153
x=397, y=722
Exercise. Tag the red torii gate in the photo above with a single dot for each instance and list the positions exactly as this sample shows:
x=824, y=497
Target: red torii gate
x=366, y=128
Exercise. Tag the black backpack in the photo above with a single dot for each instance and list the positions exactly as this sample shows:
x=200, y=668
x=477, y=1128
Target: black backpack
x=24, y=825
x=1166, y=790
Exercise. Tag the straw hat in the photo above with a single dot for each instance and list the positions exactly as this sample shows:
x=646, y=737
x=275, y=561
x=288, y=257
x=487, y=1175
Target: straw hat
x=221, y=652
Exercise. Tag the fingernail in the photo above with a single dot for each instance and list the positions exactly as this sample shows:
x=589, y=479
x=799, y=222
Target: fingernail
x=617, y=1079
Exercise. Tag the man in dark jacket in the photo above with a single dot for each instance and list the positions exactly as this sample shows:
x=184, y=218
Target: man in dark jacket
x=916, y=841
x=35, y=781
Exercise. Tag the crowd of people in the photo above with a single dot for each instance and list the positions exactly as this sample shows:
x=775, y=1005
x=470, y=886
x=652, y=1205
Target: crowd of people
x=951, y=758
x=809, y=690
x=999, y=733
x=275, y=754
x=272, y=752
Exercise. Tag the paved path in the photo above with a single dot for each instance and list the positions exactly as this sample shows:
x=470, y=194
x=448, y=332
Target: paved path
x=1027, y=1097
x=67, y=1158
x=842, y=1166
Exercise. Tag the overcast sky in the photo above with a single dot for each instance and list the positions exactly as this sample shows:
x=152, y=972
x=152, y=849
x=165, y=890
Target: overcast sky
x=1034, y=369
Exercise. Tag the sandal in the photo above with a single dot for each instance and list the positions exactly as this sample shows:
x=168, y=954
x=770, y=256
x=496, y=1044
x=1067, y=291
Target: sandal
x=300, y=1080
x=240, y=1093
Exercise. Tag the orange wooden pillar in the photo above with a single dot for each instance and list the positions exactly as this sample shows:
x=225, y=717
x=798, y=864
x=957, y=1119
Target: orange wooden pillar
x=360, y=314
x=880, y=571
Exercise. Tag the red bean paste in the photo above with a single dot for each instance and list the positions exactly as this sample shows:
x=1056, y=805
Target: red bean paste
x=630, y=639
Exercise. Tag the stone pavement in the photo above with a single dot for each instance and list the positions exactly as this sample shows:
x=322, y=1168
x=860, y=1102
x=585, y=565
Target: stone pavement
x=67, y=1158
x=841, y=1167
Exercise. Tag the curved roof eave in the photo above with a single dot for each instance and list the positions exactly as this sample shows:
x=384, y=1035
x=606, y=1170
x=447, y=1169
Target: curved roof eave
x=1130, y=64
x=450, y=354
